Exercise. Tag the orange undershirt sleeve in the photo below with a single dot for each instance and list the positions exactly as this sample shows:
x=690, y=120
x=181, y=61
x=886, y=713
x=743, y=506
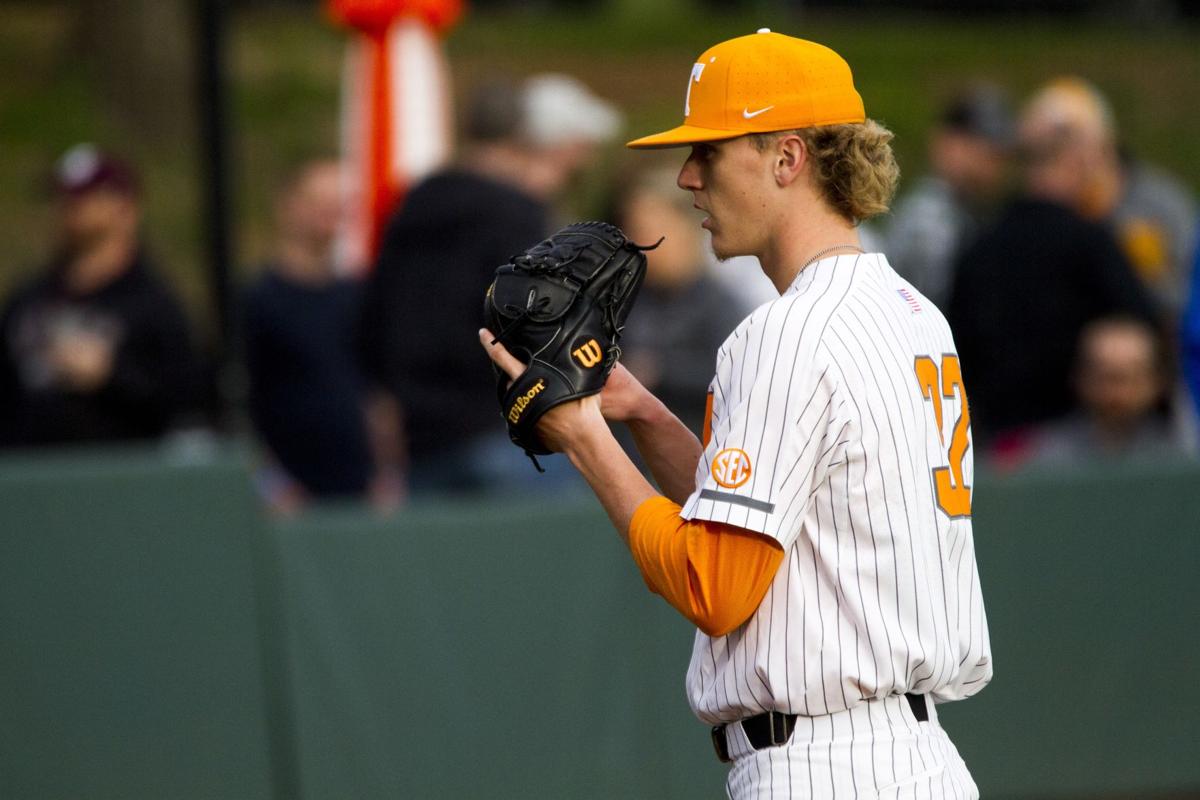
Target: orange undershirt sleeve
x=714, y=574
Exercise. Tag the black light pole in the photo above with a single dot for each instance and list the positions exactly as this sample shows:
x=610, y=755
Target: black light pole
x=213, y=170
x=214, y=165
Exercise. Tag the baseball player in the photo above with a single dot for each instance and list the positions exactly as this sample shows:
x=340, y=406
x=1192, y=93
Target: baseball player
x=819, y=536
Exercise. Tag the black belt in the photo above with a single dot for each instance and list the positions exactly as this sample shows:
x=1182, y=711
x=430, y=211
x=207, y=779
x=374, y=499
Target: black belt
x=774, y=728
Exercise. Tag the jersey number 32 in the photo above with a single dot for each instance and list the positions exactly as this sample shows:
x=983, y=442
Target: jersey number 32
x=953, y=495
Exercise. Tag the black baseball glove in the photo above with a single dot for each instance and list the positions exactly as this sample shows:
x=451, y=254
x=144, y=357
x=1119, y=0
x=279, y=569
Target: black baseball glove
x=560, y=307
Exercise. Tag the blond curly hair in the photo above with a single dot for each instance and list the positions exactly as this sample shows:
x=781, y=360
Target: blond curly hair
x=853, y=165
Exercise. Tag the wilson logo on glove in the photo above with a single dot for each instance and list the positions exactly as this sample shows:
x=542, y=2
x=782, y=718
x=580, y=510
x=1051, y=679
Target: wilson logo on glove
x=524, y=400
x=589, y=354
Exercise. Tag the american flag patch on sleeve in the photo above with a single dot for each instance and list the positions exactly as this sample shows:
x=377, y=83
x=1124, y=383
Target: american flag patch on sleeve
x=908, y=298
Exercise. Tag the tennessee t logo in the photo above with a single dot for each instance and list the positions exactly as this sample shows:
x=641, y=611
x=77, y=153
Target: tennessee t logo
x=697, y=71
x=589, y=354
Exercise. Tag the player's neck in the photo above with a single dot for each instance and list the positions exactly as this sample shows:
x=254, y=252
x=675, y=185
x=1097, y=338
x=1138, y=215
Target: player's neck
x=799, y=240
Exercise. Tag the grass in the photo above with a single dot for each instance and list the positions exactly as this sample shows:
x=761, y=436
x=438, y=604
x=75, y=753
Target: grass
x=285, y=65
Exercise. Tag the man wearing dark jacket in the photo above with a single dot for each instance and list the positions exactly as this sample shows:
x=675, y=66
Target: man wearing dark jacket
x=95, y=348
x=423, y=304
x=1026, y=289
x=306, y=389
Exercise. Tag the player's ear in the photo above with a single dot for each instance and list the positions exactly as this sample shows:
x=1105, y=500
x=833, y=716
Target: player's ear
x=791, y=156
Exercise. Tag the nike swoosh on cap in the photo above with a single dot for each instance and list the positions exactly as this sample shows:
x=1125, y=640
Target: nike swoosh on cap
x=748, y=114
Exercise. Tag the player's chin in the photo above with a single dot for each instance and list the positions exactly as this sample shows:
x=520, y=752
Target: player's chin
x=721, y=242
x=721, y=249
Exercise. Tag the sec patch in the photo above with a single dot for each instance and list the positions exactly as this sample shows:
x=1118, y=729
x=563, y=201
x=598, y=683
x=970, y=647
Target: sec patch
x=731, y=468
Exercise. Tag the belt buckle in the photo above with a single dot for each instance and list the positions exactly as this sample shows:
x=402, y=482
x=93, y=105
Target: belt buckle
x=721, y=744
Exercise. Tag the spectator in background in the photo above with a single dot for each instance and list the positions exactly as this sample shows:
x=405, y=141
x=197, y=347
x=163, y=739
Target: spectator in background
x=682, y=315
x=969, y=152
x=1156, y=223
x=1120, y=380
x=1152, y=214
x=307, y=398
x=522, y=146
x=1028, y=286
x=95, y=348
x=1190, y=330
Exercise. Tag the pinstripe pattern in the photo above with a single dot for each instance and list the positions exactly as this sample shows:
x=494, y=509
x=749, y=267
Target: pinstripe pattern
x=879, y=592
x=875, y=750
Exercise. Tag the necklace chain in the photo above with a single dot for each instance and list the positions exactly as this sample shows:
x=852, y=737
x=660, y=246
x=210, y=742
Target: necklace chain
x=830, y=250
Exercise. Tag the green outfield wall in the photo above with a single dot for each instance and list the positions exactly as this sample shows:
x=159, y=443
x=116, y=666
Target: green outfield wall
x=132, y=662
x=159, y=638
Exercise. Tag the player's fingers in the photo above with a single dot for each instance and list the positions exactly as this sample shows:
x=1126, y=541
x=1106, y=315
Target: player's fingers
x=503, y=359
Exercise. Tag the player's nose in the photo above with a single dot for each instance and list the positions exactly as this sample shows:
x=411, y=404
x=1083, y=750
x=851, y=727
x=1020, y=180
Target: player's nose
x=689, y=175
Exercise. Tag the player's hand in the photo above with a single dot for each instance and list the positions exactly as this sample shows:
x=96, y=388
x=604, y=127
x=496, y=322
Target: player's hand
x=565, y=423
x=623, y=396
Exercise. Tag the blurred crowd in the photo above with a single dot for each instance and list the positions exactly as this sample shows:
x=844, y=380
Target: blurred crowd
x=1066, y=264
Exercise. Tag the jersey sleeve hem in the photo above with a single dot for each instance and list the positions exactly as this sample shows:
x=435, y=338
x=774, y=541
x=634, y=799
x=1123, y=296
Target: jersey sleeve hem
x=737, y=500
x=728, y=508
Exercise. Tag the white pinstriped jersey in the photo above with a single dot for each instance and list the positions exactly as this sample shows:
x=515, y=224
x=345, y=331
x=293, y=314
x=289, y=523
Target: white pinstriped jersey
x=839, y=428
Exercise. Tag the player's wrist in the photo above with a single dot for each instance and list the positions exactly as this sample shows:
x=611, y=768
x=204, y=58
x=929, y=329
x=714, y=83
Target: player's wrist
x=651, y=414
x=647, y=409
x=587, y=443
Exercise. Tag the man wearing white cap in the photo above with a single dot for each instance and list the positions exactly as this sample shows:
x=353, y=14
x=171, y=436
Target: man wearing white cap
x=562, y=123
x=819, y=537
x=523, y=143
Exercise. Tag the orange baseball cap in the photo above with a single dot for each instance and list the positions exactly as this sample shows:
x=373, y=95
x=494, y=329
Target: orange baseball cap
x=762, y=82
